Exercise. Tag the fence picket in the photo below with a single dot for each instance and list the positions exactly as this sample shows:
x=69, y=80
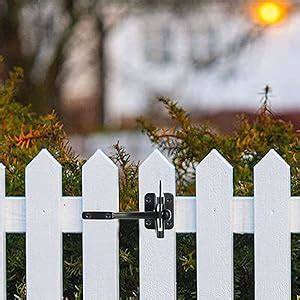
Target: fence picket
x=43, y=185
x=214, y=194
x=2, y=235
x=271, y=228
x=157, y=256
x=100, y=238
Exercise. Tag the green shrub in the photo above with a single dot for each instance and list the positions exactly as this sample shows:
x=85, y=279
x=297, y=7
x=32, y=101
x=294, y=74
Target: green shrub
x=23, y=134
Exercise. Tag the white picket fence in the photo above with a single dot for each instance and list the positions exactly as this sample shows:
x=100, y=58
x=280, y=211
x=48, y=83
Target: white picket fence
x=214, y=214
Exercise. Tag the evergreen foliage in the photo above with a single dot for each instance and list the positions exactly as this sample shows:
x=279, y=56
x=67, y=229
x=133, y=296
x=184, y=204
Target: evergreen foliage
x=23, y=134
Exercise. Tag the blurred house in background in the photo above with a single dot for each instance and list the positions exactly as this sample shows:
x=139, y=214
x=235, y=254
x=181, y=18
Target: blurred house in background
x=151, y=50
x=176, y=53
x=209, y=56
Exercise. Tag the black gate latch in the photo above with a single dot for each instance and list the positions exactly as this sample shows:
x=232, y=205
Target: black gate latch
x=158, y=214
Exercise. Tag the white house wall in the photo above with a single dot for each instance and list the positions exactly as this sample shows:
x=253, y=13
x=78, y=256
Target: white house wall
x=235, y=82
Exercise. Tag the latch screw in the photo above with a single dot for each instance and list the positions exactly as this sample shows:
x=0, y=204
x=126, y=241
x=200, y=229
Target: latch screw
x=148, y=222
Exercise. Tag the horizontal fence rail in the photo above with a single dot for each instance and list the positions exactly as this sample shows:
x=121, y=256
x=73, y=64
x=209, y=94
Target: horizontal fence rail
x=242, y=212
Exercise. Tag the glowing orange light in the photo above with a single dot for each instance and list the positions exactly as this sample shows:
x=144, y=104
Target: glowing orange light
x=270, y=12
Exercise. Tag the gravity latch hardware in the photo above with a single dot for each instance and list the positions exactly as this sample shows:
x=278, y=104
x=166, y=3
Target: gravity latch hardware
x=158, y=214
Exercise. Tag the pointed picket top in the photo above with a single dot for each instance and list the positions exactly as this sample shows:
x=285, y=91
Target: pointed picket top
x=99, y=159
x=215, y=160
x=43, y=159
x=214, y=193
x=100, y=240
x=272, y=157
x=271, y=214
x=99, y=173
x=2, y=167
x=157, y=281
x=43, y=192
x=155, y=158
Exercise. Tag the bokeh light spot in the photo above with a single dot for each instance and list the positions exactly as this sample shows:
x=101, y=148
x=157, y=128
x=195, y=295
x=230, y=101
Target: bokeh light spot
x=270, y=12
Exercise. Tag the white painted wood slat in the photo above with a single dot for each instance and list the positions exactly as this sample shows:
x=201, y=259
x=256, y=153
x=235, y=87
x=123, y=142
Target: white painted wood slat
x=242, y=214
x=272, y=231
x=185, y=214
x=214, y=193
x=157, y=256
x=43, y=185
x=2, y=235
x=100, y=238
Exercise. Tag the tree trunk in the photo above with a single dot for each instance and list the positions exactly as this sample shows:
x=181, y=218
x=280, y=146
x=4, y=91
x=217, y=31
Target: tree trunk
x=102, y=72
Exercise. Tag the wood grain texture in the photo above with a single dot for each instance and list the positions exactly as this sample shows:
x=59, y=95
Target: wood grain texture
x=100, y=238
x=71, y=211
x=43, y=185
x=272, y=239
x=157, y=256
x=214, y=193
x=2, y=234
x=242, y=214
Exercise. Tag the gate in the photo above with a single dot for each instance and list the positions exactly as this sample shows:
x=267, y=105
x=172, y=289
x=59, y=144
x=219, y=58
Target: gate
x=214, y=214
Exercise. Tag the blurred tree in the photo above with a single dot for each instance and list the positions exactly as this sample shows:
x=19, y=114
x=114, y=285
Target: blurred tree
x=37, y=36
x=34, y=35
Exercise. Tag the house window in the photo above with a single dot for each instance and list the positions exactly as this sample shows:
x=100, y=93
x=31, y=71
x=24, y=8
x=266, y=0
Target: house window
x=204, y=47
x=157, y=43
